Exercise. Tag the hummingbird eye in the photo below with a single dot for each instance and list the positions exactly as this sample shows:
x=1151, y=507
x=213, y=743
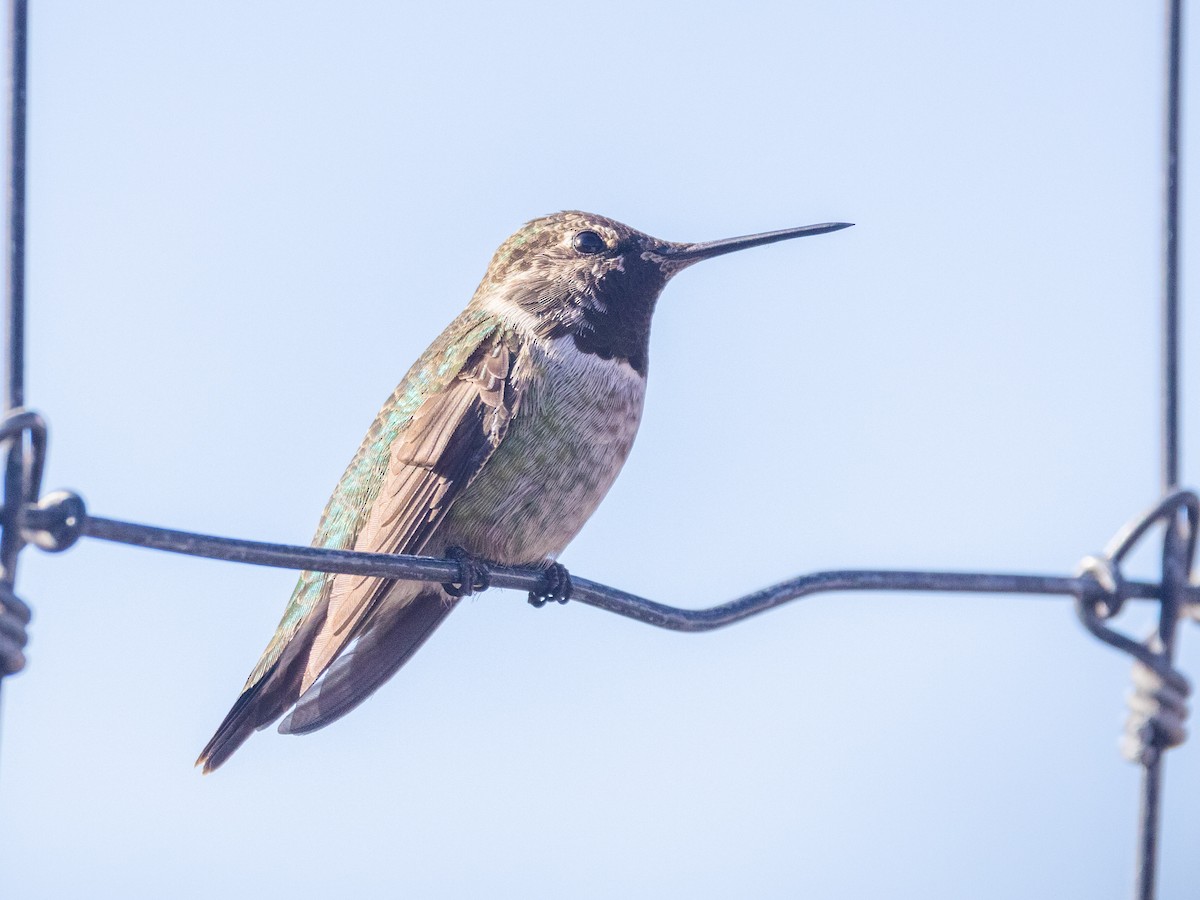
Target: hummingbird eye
x=589, y=242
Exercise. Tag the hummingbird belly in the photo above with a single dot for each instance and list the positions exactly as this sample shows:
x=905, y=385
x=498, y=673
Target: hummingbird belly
x=574, y=428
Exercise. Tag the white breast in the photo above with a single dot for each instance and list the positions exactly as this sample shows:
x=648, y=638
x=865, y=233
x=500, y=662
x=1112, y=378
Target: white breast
x=573, y=430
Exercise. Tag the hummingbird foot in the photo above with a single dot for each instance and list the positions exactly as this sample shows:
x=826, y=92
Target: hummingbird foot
x=556, y=585
x=473, y=574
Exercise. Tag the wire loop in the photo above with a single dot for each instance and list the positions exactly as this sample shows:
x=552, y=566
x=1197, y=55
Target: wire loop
x=1108, y=594
x=1159, y=701
x=24, y=431
x=25, y=434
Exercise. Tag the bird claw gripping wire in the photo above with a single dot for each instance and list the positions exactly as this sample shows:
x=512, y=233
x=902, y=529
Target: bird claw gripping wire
x=1158, y=704
x=474, y=574
x=556, y=585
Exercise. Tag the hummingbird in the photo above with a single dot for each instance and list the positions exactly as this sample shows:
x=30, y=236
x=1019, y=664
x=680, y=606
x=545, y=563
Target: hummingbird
x=497, y=446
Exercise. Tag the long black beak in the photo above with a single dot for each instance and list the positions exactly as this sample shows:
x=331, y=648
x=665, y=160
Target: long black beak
x=680, y=255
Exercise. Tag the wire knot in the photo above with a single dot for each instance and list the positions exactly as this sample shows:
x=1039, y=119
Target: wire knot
x=1158, y=703
x=1157, y=715
x=24, y=432
x=14, y=616
x=1105, y=594
x=55, y=522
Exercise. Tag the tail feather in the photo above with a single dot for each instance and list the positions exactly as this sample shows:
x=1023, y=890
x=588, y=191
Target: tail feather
x=375, y=658
x=258, y=706
x=386, y=643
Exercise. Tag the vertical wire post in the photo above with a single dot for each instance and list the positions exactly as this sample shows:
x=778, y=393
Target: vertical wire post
x=14, y=394
x=15, y=298
x=18, y=37
x=1170, y=297
x=1174, y=576
x=10, y=543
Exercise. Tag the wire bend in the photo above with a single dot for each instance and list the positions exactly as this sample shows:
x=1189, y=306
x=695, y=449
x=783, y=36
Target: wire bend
x=48, y=526
x=24, y=433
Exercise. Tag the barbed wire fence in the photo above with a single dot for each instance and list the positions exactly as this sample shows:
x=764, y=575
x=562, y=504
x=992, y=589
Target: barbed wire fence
x=1158, y=706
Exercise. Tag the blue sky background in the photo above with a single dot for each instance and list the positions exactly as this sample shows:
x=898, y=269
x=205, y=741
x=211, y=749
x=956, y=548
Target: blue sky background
x=247, y=219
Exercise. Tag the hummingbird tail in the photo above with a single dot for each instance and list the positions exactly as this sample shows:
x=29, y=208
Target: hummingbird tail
x=377, y=656
x=257, y=707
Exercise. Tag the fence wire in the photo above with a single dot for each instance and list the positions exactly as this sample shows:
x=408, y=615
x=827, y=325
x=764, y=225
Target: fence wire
x=25, y=450
x=1099, y=589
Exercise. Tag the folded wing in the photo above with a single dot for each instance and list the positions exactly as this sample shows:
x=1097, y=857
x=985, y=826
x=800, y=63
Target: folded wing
x=435, y=454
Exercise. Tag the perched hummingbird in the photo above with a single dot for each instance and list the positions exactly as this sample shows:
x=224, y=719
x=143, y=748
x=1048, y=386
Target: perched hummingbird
x=498, y=444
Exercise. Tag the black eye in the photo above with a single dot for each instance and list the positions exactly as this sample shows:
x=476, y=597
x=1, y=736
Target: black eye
x=589, y=242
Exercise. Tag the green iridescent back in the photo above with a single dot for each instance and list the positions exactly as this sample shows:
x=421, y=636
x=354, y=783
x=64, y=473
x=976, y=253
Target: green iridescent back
x=346, y=511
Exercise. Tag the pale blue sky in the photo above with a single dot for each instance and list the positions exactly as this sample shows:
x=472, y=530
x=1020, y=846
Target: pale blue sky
x=247, y=219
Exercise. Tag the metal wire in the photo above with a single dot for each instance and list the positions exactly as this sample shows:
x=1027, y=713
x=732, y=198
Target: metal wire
x=1100, y=590
x=14, y=614
x=1170, y=298
x=1174, y=575
x=18, y=52
x=60, y=518
x=590, y=592
x=10, y=543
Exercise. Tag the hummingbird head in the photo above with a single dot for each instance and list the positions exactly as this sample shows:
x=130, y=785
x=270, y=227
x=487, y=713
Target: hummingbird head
x=596, y=280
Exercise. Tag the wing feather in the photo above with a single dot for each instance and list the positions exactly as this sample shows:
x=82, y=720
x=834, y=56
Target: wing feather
x=450, y=438
x=371, y=661
x=428, y=443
